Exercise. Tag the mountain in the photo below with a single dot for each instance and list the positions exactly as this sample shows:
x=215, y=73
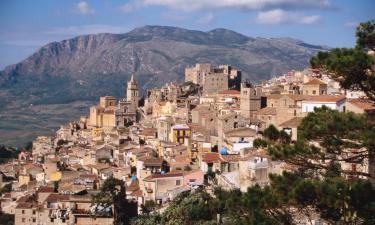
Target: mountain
x=61, y=79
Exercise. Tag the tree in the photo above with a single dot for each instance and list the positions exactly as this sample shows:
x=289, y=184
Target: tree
x=6, y=188
x=112, y=193
x=148, y=207
x=339, y=137
x=260, y=143
x=62, y=142
x=197, y=208
x=6, y=219
x=271, y=133
x=366, y=35
x=354, y=68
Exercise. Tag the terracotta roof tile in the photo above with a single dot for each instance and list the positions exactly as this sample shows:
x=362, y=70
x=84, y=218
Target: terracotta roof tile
x=267, y=111
x=294, y=122
x=46, y=189
x=57, y=198
x=212, y=157
x=363, y=104
x=314, y=82
x=325, y=98
x=166, y=175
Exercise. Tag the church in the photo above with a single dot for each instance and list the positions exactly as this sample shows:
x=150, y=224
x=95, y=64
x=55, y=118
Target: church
x=109, y=113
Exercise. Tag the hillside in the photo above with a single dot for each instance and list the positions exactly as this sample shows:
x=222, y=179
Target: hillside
x=59, y=81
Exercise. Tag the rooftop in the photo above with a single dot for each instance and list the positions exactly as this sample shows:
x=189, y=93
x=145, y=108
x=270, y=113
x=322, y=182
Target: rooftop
x=267, y=111
x=314, y=82
x=325, y=98
x=363, y=104
x=229, y=92
x=294, y=122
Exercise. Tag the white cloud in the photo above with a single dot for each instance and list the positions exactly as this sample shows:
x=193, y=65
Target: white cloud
x=86, y=29
x=194, y=5
x=207, y=19
x=279, y=16
x=83, y=8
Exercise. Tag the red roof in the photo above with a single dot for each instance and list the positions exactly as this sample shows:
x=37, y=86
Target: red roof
x=57, y=198
x=157, y=176
x=46, y=189
x=212, y=157
x=314, y=82
x=325, y=98
x=363, y=104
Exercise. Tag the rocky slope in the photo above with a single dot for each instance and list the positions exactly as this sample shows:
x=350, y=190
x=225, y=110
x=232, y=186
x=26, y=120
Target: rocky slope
x=80, y=69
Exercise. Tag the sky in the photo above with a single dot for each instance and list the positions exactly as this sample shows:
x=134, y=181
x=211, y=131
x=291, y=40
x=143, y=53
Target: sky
x=25, y=26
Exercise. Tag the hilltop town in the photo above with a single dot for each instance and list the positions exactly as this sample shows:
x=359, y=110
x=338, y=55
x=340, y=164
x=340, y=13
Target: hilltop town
x=178, y=138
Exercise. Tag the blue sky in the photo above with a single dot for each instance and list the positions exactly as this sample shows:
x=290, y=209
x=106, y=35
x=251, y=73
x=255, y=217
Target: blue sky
x=27, y=25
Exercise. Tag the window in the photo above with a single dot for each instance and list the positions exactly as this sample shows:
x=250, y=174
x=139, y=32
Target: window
x=23, y=211
x=178, y=182
x=33, y=212
x=23, y=219
x=34, y=220
x=295, y=112
x=52, y=219
x=314, y=92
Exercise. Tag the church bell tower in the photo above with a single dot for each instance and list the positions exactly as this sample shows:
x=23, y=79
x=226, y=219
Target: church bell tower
x=132, y=92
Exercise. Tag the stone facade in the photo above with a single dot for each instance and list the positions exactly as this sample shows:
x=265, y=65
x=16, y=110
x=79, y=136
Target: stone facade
x=214, y=79
x=251, y=97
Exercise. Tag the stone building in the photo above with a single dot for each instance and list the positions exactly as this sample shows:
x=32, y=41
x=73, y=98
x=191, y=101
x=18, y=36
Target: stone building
x=229, y=122
x=110, y=114
x=132, y=92
x=360, y=106
x=214, y=79
x=315, y=87
x=251, y=97
x=103, y=115
x=126, y=112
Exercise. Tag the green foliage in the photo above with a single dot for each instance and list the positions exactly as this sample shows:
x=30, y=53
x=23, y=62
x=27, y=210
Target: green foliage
x=185, y=209
x=151, y=219
x=259, y=143
x=336, y=133
x=7, y=153
x=6, y=188
x=112, y=193
x=353, y=68
x=62, y=142
x=366, y=35
x=271, y=133
x=148, y=207
x=6, y=219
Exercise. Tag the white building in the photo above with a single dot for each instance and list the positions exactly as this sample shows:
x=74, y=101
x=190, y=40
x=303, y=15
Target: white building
x=332, y=102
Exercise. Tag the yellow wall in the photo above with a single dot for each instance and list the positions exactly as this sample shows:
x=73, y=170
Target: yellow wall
x=106, y=101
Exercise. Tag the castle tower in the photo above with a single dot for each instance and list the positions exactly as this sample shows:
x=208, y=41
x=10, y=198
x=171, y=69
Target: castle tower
x=132, y=92
x=250, y=101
